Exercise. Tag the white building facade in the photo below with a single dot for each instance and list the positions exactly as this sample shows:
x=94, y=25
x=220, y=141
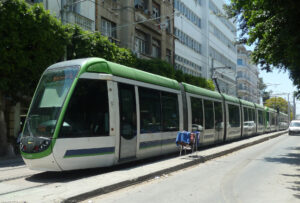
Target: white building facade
x=247, y=77
x=205, y=40
x=75, y=12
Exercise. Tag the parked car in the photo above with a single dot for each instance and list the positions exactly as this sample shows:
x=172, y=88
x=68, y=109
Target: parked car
x=294, y=128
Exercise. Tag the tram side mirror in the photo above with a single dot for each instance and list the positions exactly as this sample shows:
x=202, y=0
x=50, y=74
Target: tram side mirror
x=196, y=127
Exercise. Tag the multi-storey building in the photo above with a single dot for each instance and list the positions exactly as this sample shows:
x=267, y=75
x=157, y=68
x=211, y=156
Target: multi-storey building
x=247, y=76
x=204, y=43
x=77, y=12
x=144, y=26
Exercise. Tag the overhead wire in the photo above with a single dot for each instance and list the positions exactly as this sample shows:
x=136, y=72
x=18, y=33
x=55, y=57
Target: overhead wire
x=171, y=16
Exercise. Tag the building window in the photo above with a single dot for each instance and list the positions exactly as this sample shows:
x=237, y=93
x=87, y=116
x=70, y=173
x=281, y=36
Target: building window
x=240, y=62
x=108, y=28
x=139, y=4
x=168, y=56
x=140, y=42
x=155, y=11
x=155, y=48
x=168, y=25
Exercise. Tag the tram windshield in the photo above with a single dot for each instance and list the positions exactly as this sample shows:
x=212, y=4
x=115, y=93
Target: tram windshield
x=48, y=101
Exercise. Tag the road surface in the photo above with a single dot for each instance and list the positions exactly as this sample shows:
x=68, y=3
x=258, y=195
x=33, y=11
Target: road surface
x=267, y=172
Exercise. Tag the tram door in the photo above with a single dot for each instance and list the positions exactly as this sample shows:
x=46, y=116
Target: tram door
x=219, y=122
x=128, y=127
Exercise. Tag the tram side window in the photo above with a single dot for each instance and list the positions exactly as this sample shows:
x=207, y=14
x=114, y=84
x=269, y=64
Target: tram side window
x=260, y=117
x=246, y=115
x=170, y=112
x=253, y=115
x=209, y=114
x=87, y=113
x=150, y=110
x=218, y=115
x=273, y=119
x=197, y=111
x=250, y=116
x=268, y=117
x=234, y=115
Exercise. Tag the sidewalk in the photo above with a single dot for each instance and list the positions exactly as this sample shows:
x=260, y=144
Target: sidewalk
x=81, y=189
x=116, y=180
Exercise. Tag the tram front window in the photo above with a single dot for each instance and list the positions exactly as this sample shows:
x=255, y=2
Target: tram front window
x=48, y=101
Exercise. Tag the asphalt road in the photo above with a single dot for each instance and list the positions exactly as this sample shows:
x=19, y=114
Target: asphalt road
x=266, y=172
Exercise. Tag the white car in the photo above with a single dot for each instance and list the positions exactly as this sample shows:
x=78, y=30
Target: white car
x=294, y=128
x=249, y=126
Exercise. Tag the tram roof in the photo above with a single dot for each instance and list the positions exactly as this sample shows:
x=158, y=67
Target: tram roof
x=270, y=109
x=247, y=103
x=231, y=99
x=75, y=62
x=281, y=113
x=99, y=65
x=258, y=106
x=201, y=91
x=139, y=75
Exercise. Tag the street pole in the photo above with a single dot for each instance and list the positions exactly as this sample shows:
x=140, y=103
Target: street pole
x=294, y=112
x=289, y=111
x=213, y=76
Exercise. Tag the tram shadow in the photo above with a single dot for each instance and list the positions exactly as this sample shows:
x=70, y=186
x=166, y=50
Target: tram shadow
x=293, y=159
x=68, y=176
x=12, y=162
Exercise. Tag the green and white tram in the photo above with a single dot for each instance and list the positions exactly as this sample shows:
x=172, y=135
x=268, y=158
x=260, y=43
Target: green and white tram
x=89, y=113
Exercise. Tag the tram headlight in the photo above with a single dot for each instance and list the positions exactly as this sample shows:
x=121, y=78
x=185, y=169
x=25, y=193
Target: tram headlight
x=34, y=145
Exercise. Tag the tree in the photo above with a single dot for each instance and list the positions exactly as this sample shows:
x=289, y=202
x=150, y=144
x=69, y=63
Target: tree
x=86, y=44
x=163, y=68
x=262, y=90
x=30, y=40
x=273, y=27
x=277, y=103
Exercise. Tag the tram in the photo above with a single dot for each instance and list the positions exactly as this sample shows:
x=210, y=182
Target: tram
x=89, y=113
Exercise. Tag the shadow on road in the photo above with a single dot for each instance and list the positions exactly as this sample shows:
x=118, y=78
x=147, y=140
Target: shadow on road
x=293, y=159
x=13, y=162
x=68, y=176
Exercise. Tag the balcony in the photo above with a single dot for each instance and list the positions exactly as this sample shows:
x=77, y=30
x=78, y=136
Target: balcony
x=143, y=16
x=82, y=21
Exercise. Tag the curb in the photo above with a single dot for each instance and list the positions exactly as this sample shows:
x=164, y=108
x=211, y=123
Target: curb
x=200, y=159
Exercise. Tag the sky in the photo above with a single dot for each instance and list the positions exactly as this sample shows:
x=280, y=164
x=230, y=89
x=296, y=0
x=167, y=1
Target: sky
x=277, y=81
x=280, y=84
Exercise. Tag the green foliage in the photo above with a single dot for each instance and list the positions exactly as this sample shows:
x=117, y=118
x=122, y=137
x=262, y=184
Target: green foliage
x=30, y=40
x=163, y=68
x=156, y=66
x=274, y=27
x=85, y=44
x=277, y=103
